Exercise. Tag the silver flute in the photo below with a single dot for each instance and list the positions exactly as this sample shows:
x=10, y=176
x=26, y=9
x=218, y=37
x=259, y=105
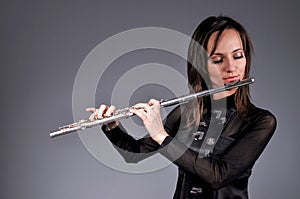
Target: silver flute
x=125, y=112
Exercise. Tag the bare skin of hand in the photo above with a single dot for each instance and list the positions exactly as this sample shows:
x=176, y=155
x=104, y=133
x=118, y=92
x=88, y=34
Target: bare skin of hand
x=150, y=114
x=101, y=112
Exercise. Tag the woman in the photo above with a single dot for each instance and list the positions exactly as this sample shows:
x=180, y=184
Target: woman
x=223, y=170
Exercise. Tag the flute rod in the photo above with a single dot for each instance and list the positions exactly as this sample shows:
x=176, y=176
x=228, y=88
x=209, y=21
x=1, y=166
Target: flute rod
x=125, y=113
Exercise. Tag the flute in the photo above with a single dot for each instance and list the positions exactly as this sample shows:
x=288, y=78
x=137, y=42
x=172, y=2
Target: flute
x=125, y=113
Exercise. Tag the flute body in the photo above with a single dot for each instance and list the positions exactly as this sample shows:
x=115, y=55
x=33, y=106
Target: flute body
x=125, y=113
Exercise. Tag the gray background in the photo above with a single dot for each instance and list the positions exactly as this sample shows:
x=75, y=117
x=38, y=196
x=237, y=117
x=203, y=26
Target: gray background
x=43, y=44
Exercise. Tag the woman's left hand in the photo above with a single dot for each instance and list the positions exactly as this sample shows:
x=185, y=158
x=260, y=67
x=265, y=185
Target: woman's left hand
x=150, y=114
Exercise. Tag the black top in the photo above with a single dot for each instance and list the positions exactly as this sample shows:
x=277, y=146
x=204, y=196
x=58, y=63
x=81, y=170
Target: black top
x=222, y=172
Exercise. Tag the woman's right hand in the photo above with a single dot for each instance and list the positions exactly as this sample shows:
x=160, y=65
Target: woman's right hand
x=101, y=112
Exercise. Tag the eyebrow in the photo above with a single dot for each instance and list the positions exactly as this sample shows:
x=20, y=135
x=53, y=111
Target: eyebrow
x=238, y=49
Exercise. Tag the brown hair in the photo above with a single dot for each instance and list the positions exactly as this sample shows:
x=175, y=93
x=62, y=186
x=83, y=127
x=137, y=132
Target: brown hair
x=198, y=77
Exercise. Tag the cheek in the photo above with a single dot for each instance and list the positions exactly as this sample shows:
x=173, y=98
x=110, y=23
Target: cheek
x=213, y=70
x=215, y=75
x=242, y=67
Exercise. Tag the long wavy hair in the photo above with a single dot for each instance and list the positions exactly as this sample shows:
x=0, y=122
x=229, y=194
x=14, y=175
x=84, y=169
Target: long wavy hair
x=197, y=71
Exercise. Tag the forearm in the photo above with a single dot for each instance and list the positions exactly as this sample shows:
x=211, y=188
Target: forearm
x=207, y=169
x=236, y=158
x=132, y=150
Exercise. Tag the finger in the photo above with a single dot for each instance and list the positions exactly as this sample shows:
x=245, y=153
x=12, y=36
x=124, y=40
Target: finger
x=101, y=111
x=153, y=102
x=144, y=106
x=90, y=109
x=92, y=116
x=110, y=111
x=140, y=113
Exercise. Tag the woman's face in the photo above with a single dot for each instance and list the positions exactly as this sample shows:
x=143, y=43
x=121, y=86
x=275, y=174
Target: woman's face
x=227, y=64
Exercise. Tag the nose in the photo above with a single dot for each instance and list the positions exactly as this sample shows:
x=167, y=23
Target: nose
x=229, y=65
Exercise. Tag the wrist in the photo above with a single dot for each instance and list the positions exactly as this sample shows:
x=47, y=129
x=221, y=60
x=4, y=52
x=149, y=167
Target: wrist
x=112, y=125
x=160, y=137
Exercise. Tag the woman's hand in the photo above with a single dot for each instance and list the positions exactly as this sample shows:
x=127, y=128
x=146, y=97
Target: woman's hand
x=101, y=112
x=150, y=114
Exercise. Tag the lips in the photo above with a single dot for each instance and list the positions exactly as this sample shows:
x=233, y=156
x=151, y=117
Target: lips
x=231, y=79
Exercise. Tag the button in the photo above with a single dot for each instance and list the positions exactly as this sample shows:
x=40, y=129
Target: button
x=196, y=190
x=203, y=124
x=198, y=135
x=210, y=141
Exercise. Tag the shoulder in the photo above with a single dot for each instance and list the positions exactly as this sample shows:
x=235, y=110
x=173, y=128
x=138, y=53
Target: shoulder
x=262, y=116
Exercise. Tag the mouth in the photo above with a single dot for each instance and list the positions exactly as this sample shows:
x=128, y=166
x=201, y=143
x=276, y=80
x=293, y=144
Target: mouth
x=231, y=79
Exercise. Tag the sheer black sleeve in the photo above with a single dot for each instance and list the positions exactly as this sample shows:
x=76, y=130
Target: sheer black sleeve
x=247, y=146
x=134, y=150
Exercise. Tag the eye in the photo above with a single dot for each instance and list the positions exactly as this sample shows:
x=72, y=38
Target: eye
x=238, y=55
x=216, y=60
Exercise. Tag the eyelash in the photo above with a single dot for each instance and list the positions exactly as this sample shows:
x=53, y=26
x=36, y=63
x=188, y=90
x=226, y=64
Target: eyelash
x=217, y=62
x=221, y=60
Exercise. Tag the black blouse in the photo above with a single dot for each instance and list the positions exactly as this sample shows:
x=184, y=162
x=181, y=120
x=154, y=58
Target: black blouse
x=216, y=174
